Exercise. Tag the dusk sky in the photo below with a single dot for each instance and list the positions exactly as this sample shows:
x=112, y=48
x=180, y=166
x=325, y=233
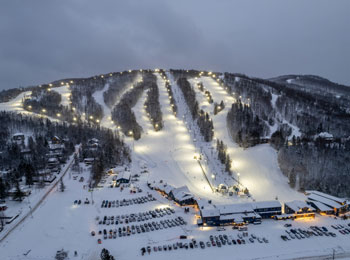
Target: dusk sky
x=42, y=41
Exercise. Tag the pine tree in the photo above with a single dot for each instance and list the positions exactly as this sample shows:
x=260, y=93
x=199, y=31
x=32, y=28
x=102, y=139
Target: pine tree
x=62, y=186
x=19, y=194
x=105, y=255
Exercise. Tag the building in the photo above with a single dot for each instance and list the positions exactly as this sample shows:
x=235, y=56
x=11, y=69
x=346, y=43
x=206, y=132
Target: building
x=321, y=208
x=339, y=205
x=237, y=214
x=267, y=209
x=182, y=196
x=299, y=209
x=18, y=137
x=124, y=177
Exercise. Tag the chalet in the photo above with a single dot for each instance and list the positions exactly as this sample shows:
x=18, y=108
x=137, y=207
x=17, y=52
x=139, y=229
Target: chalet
x=299, y=208
x=321, y=208
x=93, y=144
x=89, y=161
x=52, y=162
x=56, y=140
x=339, y=205
x=182, y=196
x=124, y=177
x=18, y=137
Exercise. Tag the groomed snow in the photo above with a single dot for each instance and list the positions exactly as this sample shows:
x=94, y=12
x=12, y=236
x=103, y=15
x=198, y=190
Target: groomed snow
x=168, y=155
x=65, y=93
x=257, y=166
x=106, y=121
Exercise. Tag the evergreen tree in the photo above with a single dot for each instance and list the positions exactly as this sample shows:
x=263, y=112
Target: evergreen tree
x=3, y=192
x=19, y=194
x=62, y=186
x=105, y=255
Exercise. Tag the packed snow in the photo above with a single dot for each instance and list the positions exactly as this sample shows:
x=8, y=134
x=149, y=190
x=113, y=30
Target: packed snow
x=167, y=155
x=257, y=166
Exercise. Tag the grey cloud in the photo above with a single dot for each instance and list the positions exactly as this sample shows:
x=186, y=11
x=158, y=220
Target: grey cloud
x=43, y=41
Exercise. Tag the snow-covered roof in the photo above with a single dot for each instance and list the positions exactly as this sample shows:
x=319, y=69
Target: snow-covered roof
x=124, y=175
x=168, y=188
x=327, y=196
x=235, y=208
x=18, y=134
x=325, y=135
x=266, y=204
x=210, y=213
x=328, y=202
x=296, y=205
x=229, y=217
x=182, y=193
x=321, y=206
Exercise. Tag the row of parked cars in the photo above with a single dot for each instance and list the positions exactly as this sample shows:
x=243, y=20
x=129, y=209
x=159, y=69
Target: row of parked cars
x=222, y=240
x=179, y=245
x=126, y=202
x=214, y=241
x=298, y=233
x=142, y=228
x=135, y=217
x=342, y=229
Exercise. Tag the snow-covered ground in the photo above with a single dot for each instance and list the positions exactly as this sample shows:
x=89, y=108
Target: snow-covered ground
x=65, y=93
x=257, y=166
x=107, y=112
x=58, y=223
x=168, y=155
x=15, y=105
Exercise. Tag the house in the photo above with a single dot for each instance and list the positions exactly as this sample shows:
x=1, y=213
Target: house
x=89, y=161
x=182, y=196
x=124, y=177
x=299, y=208
x=18, y=137
x=52, y=162
x=56, y=140
x=93, y=144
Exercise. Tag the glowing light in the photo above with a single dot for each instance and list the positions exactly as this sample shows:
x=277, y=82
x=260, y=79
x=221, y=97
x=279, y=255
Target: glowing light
x=29, y=107
x=130, y=132
x=129, y=71
x=49, y=89
x=43, y=110
x=91, y=117
x=58, y=114
x=74, y=119
x=50, y=85
x=62, y=83
x=97, y=121
x=71, y=82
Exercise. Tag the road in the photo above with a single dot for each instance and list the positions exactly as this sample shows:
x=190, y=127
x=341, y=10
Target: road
x=54, y=185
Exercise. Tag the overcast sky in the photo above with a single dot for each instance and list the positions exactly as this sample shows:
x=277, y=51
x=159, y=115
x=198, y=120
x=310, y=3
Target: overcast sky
x=42, y=41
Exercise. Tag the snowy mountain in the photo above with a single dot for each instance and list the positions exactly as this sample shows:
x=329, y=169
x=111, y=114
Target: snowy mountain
x=223, y=139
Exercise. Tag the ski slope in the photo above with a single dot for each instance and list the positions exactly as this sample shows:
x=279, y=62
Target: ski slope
x=15, y=105
x=65, y=93
x=257, y=166
x=168, y=153
x=106, y=121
